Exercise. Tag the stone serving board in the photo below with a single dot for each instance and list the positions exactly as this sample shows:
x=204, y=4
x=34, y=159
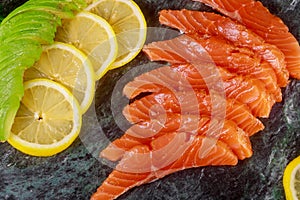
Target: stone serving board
x=77, y=172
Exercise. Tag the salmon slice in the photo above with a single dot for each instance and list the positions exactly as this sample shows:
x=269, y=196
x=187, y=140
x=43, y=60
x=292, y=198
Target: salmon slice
x=219, y=50
x=180, y=78
x=194, y=156
x=238, y=60
x=186, y=76
x=120, y=180
x=177, y=145
x=271, y=28
x=205, y=23
x=243, y=89
x=144, y=133
x=143, y=110
x=118, y=183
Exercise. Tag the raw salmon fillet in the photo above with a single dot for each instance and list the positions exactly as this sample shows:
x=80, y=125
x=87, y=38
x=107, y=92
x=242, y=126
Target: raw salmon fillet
x=177, y=78
x=144, y=109
x=205, y=23
x=186, y=76
x=242, y=61
x=145, y=133
x=271, y=28
x=169, y=148
x=122, y=180
x=202, y=109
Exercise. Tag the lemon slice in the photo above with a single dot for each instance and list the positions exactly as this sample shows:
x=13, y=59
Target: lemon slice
x=291, y=180
x=128, y=23
x=48, y=120
x=92, y=35
x=68, y=66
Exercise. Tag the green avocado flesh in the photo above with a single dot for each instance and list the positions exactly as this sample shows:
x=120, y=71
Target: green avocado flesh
x=22, y=34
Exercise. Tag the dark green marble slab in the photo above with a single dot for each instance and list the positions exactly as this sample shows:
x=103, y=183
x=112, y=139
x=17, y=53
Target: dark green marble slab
x=76, y=173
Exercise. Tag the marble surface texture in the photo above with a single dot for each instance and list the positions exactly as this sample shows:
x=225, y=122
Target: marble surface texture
x=76, y=173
